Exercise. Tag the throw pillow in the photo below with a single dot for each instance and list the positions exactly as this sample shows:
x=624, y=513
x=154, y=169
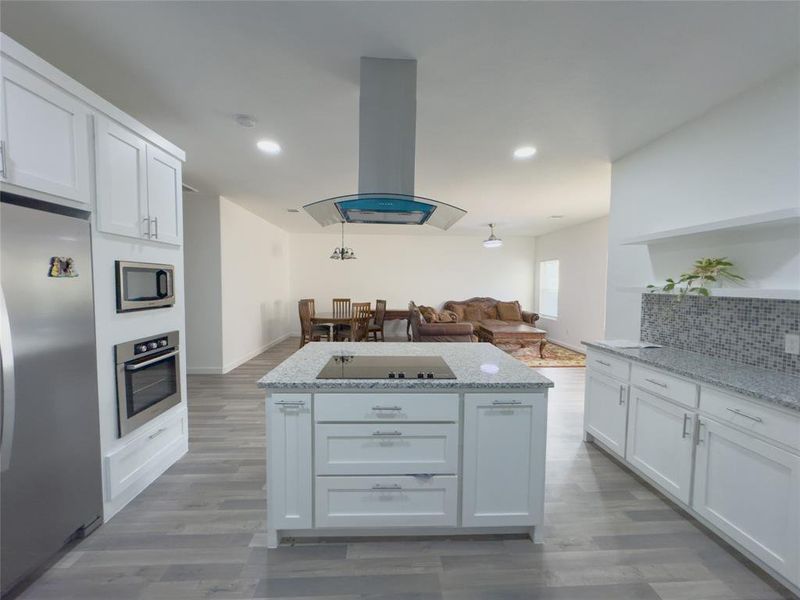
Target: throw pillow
x=490, y=312
x=509, y=311
x=448, y=316
x=458, y=309
x=472, y=313
x=429, y=314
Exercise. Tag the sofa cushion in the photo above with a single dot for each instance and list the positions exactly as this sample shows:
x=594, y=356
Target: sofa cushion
x=508, y=311
x=472, y=313
x=458, y=309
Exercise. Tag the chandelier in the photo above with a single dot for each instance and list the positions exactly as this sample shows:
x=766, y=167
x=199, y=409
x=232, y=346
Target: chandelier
x=343, y=252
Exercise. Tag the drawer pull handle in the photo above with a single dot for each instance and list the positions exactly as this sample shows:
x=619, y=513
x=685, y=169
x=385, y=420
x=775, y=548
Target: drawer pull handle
x=700, y=438
x=745, y=415
x=385, y=408
x=604, y=363
x=386, y=433
x=393, y=486
x=621, y=395
x=157, y=433
x=658, y=383
x=685, y=420
x=290, y=403
x=506, y=402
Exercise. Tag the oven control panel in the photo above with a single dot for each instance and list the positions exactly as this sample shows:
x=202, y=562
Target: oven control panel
x=150, y=345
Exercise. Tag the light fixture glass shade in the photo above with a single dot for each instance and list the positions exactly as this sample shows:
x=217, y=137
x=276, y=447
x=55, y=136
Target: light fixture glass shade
x=492, y=241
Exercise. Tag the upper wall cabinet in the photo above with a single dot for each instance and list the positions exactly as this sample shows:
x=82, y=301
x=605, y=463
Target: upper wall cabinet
x=44, y=134
x=138, y=186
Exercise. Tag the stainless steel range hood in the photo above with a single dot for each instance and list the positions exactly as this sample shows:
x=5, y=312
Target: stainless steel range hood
x=386, y=155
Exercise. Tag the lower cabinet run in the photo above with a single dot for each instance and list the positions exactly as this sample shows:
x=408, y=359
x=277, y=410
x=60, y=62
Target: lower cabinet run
x=732, y=462
x=395, y=462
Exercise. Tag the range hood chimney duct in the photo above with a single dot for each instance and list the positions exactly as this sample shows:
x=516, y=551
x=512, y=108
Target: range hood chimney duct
x=387, y=126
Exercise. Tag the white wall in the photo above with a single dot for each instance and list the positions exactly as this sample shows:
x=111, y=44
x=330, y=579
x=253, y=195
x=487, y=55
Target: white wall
x=202, y=273
x=582, y=254
x=254, y=261
x=740, y=158
x=427, y=269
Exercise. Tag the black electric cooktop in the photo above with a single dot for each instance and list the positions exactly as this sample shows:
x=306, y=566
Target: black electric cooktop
x=386, y=367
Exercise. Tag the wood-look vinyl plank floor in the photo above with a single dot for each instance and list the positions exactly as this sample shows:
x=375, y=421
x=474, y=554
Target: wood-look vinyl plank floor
x=198, y=532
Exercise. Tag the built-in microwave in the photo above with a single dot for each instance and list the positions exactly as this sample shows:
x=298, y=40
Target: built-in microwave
x=142, y=286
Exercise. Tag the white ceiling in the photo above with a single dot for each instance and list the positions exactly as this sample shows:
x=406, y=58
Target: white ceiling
x=583, y=82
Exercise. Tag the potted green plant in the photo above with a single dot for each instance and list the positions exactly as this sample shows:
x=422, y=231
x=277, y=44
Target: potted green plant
x=705, y=271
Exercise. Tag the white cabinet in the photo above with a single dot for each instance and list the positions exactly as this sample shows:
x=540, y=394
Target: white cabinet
x=121, y=180
x=606, y=410
x=164, y=196
x=660, y=442
x=289, y=461
x=386, y=448
x=44, y=133
x=387, y=501
x=750, y=490
x=138, y=186
x=504, y=448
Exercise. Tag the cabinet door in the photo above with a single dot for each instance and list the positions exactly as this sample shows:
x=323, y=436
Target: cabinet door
x=45, y=136
x=164, y=196
x=750, y=490
x=504, y=459
x=661, y=441
x=121, y=180
x=606, y=410
x=289, y=461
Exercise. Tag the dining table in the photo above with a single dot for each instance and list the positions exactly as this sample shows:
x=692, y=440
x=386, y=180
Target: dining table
x=391, y=314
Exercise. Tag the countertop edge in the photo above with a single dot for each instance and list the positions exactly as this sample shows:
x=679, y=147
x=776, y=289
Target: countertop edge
x=380, y=385
x=789, y=404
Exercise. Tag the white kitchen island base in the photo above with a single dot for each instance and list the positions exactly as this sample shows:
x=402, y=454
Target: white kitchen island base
x=406, y=458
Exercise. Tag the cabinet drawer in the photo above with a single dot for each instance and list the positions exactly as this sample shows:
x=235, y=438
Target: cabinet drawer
x=386, y=449
x=386, y=407
x=130, y=462
x=610, y=365
x=776, y=425
x=386, y=501
x=676, y=389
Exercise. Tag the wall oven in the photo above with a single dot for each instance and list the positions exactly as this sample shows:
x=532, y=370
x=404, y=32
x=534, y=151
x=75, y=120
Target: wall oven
x=148, y=379
x=141, y=286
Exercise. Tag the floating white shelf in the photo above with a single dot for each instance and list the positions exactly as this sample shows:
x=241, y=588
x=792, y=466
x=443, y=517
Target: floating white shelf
x=739, y=292
x=771, y=218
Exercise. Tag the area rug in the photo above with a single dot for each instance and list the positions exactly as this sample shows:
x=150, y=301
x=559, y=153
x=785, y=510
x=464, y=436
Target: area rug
x=554, y=356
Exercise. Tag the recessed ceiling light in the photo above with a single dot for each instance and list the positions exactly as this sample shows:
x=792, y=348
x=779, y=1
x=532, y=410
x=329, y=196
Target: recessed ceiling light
x=292, y=210
x=556, y=216
x=524, y=152
x=269, y=147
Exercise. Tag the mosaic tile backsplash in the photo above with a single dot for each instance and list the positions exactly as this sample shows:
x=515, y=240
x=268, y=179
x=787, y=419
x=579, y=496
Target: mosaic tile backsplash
x=746, y=330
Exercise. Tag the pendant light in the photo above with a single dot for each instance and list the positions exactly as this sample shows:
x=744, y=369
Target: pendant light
x=343, y=252
x=492, y=241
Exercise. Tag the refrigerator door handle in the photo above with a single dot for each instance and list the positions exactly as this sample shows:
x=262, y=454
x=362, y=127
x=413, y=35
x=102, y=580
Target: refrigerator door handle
x=9, y=403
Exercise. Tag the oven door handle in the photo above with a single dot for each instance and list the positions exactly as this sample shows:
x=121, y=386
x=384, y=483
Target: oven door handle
x=152, y=361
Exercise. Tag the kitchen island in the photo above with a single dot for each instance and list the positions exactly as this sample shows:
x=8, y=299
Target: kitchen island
x=414, y=451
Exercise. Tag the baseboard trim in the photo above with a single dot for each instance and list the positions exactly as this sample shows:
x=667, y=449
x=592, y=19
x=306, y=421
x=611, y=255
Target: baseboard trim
x=250, y=355
x=579, y=349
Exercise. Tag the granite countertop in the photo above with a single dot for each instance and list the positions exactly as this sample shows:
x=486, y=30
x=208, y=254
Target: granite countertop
x=476, y=366
x=759, y=384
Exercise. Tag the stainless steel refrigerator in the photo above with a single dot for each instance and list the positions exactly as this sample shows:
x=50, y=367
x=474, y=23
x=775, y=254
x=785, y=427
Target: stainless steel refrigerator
x=50, y=448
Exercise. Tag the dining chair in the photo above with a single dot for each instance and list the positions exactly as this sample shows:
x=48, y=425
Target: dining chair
x=376, y=324
x=358, y=329
x=341, y=307
x=309, y=332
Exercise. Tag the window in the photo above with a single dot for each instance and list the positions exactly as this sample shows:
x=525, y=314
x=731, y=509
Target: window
x=548, y=288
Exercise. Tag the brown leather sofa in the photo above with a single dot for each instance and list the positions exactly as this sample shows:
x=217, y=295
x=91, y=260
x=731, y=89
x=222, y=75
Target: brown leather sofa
x=476, y=310
x=422, y=331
